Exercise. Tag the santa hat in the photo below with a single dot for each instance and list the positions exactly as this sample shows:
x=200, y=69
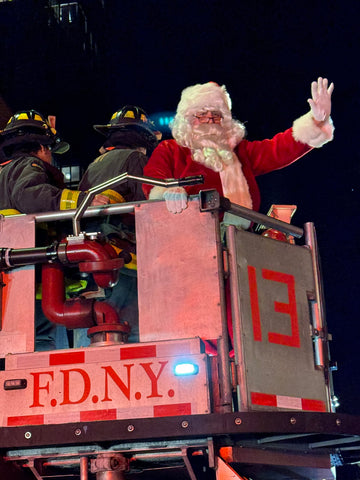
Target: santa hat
x=206, y=96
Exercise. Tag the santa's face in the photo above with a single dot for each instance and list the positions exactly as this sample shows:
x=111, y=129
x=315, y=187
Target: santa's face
x=208, y=140
x=207, y=130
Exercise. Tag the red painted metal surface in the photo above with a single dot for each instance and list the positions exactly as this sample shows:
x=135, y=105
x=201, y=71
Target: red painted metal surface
x=99, y=259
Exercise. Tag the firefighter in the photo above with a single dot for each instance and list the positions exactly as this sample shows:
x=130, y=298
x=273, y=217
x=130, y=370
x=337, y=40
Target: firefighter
x=129, y=137
x=29, y=183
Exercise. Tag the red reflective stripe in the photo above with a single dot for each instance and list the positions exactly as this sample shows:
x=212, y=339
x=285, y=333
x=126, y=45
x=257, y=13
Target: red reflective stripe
x=254, y=302
x=172, y=410
x=92, y=415
x=66, y=358
x=270, y=400
x=147, y=351
x=313, y=405
x=263, y=399
x=25, y=420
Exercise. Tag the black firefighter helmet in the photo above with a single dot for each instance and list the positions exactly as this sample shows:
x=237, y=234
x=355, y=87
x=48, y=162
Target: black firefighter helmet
x=30, y=126
x=130, y=126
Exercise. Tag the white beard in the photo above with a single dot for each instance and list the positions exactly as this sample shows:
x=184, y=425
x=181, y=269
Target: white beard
x=210, y=147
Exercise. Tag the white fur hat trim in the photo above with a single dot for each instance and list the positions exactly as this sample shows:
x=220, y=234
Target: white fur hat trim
x=206, y=96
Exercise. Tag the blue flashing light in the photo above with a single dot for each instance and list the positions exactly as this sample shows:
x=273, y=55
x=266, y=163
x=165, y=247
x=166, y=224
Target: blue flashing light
x=165, y=120
x=162, y=119
x=186, y=368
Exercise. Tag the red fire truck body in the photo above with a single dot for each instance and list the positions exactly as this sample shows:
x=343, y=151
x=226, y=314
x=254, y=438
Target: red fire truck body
x=231, y=377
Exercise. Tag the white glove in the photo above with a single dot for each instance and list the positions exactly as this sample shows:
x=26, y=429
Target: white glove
x=176, y=199
x=320, y=103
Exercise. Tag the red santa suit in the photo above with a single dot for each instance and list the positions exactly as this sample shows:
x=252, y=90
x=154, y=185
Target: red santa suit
x=234, y=178
x=170, y=160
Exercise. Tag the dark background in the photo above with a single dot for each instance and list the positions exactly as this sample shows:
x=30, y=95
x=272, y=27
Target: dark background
x=145, y=52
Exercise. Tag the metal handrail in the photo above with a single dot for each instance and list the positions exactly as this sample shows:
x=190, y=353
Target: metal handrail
x=221, y=203
x=124, y=177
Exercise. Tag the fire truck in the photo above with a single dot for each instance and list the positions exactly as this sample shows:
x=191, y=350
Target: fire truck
x=259, y=404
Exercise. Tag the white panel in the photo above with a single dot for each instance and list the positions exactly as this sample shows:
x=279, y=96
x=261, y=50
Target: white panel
x=17, y=333
x=178, y=280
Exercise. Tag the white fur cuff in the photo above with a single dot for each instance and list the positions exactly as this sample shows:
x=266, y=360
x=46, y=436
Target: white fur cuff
x=306, y=130
x=157, y=193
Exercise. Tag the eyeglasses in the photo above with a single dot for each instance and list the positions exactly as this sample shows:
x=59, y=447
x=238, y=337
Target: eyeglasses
x=208, y=117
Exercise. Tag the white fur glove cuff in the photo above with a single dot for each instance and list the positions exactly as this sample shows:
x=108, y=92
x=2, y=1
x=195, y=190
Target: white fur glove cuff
x=311, y=132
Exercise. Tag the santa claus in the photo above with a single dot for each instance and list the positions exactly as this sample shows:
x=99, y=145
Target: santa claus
x=208, y=141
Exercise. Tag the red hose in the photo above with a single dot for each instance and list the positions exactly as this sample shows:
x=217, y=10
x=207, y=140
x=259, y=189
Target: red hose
x=93, y=257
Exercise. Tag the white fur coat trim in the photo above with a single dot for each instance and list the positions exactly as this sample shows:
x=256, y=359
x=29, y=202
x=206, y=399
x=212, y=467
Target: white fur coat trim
x=157, y=193
x=306, y=130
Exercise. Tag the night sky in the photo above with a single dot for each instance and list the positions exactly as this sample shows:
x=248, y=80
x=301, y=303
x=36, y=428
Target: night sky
x=266, y=53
